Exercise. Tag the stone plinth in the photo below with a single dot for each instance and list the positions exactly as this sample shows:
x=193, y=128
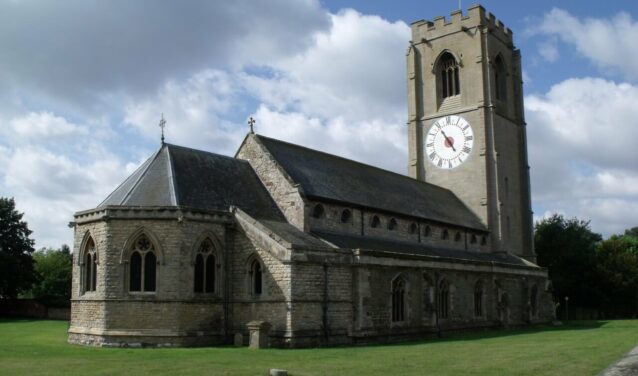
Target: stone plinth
x=258, y=334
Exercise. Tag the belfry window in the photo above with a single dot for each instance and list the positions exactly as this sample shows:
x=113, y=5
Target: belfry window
x=255, y=278
x=90, y=265
x=443, y=306
x=500, y=78
x=398, y=300
x=142, y=266
x=205, y=268
x=449, y=76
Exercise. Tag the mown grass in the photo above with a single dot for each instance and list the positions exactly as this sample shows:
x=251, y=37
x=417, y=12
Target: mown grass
x=580, y=348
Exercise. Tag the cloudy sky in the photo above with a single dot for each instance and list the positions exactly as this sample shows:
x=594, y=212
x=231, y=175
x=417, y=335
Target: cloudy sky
x=83, y=84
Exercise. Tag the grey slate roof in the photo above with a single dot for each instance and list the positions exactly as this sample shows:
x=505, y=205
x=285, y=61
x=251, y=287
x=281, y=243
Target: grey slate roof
x=179, y=176
x=407, y=248
x=326, y=176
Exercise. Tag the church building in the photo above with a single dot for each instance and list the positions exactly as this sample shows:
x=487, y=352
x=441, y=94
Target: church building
x=196, y=248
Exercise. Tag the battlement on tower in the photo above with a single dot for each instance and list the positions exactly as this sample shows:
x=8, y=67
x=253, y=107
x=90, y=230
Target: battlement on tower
x=476, y=17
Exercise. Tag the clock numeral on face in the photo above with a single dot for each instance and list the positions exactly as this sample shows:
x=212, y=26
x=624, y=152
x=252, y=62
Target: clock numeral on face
x=469, y=138
x=465, y=127
x=449, y=163
x=466, y=150
x=432, y=155
x=429, y=145
x=440, y=163
x=447, y=120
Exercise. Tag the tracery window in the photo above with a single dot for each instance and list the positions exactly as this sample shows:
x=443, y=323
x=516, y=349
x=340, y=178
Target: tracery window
x=449, y=76
x=205, y=268
x=142, y=266
x=478, y=299
x=398, y=300
x=443, y=306
x=90, y=265
x=500, y=78
x=256, y=277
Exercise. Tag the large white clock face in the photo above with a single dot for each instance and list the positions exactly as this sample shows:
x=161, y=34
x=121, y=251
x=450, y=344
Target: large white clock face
x=449, y=142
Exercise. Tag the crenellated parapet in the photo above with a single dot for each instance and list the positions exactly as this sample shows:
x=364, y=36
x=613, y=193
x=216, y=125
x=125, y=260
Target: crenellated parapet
x=424, y=31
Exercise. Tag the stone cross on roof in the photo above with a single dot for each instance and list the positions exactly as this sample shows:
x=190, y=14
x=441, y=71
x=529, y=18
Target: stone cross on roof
x=162, y=124
x=251, y=122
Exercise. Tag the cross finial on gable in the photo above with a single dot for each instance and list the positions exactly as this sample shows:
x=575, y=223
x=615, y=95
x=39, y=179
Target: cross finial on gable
x=162, y=124
x=251, y=122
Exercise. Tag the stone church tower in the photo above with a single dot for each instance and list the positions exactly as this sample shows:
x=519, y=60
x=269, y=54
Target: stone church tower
x=466, y=122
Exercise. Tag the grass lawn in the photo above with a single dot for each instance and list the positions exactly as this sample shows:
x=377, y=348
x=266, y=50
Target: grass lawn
x=33, y=347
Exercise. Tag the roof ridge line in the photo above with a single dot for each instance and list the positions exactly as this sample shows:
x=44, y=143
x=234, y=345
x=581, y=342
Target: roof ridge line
x=171, y=174
x=152, y=159
x=353, y=161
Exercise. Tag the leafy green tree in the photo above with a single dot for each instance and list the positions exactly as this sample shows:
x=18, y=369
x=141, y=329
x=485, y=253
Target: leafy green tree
x=567, y=248
x=16, y=263
x=617, y=274
x=53, y=268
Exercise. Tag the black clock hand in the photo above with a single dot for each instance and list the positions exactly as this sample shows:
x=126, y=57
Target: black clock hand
x=448, y=140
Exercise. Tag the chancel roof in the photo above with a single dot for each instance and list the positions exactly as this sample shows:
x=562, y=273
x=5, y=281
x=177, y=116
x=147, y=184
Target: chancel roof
x=179, y=176
x=328, y=177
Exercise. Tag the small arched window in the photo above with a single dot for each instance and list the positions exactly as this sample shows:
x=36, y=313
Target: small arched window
x=443, y=306
x=375, y=221
x=256, y=277
x=392, y=225
x=483, y=240
x=346, y=215
x=142, y=265
x=449, y=76
x=427, y=232
x=473, y=239
x=500, y=78
x=398, y=300
x=457, y=237
x=205, y=268
x=478, y=299
x=445, y=235
x=90, y=265
x=413, y=228
x=318, y=211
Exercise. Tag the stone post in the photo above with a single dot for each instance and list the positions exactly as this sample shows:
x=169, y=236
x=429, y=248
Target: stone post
x=258, y=334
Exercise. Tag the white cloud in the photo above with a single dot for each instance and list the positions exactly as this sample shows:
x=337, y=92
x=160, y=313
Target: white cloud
x=549, y=51
x=582, y=153
x=609, y=43
x=43, y=125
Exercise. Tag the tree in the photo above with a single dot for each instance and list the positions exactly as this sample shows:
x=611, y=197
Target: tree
x=16, y=263
x=567, y=247
x=617, y=274
x=53, y=268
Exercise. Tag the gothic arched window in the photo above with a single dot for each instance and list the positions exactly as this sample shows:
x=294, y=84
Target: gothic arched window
x=398, y=300
x=427, y=232
x=256, y=278
x=500, y=78
x=478, y=299
x=449, y=76
x=445, y=235
x=90, y=265
x=413, y=228
x=346, y=215
x=142, y=265
x=443, y=306
x=375, y=222
x=392, y=225
x=205, y=268
x=318, y=211
x=457, y=237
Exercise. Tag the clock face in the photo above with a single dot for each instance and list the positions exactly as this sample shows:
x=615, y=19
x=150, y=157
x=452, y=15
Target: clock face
x=449, y=142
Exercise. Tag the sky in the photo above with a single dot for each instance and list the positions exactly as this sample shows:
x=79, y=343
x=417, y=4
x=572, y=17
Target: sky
x=83, y=85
